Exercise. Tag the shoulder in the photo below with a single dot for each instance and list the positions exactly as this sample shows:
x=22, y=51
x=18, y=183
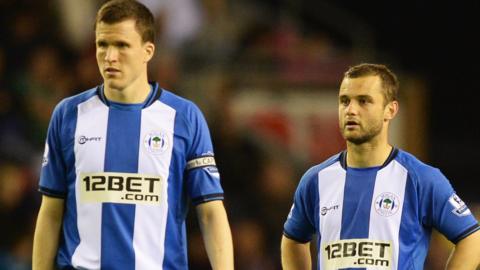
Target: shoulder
x=180, y=104
x=187, y=113
x=418, y=170
x=68, y=106
x=311, y=175
x=327, y=164
x=71, y=103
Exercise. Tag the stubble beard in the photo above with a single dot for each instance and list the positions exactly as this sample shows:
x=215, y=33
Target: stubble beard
x=364, y=136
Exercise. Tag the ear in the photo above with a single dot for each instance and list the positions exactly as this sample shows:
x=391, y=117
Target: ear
x=391, y=110
x=149, y=48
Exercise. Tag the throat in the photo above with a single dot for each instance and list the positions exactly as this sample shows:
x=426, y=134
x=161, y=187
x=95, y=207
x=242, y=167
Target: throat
x=128, y=95
x=364, y=157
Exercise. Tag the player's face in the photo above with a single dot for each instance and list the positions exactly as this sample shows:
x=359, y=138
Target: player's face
x=121, y=55
x=361, y=109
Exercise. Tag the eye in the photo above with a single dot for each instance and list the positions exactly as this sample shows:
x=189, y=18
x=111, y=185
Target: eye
x=364, y=100
x=101, y=44
x=344, y=101
x=122, y=45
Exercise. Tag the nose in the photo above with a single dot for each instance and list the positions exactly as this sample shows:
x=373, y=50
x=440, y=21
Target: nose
x=111, y=54
x=351, y=108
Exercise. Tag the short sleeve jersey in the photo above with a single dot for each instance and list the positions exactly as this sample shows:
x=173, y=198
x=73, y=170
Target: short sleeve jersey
x=376, y=218
x=127, y=173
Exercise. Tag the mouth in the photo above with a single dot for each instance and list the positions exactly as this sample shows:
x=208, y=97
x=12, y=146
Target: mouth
x=350, y=124
x=111, y=71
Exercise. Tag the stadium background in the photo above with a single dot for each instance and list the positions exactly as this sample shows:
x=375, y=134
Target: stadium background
x=266, y=74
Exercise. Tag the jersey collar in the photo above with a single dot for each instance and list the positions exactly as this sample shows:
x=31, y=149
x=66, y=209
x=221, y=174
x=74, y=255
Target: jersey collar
x=157, y=92
x=391, y=156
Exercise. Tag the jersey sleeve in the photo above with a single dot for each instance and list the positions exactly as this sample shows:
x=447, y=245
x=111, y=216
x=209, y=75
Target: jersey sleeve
x=52, y=175
x=203, y=178
x=444, y=210
x=300, y=224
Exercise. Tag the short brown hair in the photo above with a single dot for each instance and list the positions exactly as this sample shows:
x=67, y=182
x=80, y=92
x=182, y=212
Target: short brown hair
x=120, y=10
x=389, y=79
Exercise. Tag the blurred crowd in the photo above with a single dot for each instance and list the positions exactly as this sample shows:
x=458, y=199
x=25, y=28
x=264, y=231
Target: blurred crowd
x=207, y=51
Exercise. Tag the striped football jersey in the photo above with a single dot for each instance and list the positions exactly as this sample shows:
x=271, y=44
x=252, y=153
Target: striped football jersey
x=127, y=173
x=378, y=217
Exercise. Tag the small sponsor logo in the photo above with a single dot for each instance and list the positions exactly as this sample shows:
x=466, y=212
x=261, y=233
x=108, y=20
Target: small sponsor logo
x=45, y=156
x=291, y=211
x=84, y=139
x=459, y=207
x=355, y=253
x=325, y=210
x=387, y=204
x=156, y=142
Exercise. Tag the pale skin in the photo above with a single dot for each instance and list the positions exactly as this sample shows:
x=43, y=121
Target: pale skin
x=295, y=255
x=122, y=58
x=364, y=119
x=216, y=234
x=47, y=233
x=466, y=254
x=362, y=108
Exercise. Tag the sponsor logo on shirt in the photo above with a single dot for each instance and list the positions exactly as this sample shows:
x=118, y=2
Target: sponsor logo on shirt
x=387, y=204
x=459, y=207
x=45, y=156
x=357, y=253
x=156, y=142
x=131, y=188
x=291, y=211
x=325, y=210
x=84, y=139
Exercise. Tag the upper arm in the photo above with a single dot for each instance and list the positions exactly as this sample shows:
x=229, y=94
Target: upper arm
x=202, y=176
x=466, y=254
x=208, y=209
x=295, y=255
x=443, y=209
x=288, y=243
x=52, y=176
x=300, y=224
x=52, y=208
x=471, y=242
x=212, y=217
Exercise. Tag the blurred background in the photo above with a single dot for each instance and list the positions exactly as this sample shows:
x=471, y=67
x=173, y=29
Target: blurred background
x=266, y=75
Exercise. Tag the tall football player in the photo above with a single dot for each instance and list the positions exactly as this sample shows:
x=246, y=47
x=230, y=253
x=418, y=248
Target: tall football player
x=122, y=161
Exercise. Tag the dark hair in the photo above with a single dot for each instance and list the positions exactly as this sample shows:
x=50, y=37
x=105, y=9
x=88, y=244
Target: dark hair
x=120, y=10
x=389, y=79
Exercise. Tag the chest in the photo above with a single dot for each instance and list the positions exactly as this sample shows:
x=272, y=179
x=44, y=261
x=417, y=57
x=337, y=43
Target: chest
x=361, y=203
x=104, y=139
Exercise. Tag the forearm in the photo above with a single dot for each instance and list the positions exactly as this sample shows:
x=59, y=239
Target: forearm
x=295, y=255
x=466, y=255
x=46, y=238
x=216, y=234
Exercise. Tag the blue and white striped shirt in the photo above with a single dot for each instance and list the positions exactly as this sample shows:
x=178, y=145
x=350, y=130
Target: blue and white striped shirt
x=127, y=173
x=376, y=218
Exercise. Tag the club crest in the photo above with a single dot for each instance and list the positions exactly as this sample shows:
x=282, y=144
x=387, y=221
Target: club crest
x=156, y=142
x=387, y=204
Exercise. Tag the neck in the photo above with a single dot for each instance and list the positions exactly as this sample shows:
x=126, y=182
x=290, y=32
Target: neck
x=136, y=92
x=370, y=154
